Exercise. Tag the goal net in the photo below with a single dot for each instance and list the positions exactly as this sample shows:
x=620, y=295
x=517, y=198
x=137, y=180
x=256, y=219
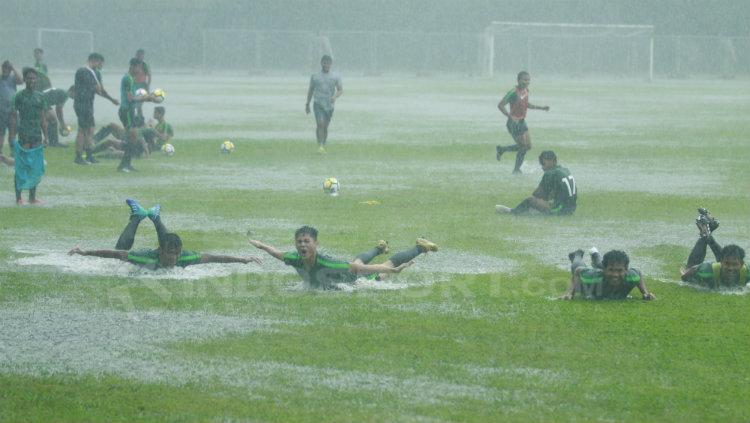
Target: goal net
x=64, y=48
x=569, y=49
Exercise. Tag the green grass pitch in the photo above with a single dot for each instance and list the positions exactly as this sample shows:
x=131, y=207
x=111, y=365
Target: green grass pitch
x=471, y=333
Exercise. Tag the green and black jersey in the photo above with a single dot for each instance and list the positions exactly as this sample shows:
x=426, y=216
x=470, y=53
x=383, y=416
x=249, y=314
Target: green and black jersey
x=326, y=273
x=708, y=274
x=149, y=258
x=29, y=104
x=560, y=187
x=593, y=285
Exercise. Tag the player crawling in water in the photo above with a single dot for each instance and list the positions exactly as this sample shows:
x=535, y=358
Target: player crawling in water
x=608, y=278
x=169, y=253
x=321, y=271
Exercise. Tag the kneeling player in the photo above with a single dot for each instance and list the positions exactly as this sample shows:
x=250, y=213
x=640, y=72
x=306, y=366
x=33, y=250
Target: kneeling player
x=169, y=253
x=556, y=193
x=321, y=271
x=728, y=271
x=613, y=280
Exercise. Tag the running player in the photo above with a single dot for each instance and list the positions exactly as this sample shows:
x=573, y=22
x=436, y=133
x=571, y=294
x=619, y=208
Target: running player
x=169, y=253
x=613, y=280
x=728, y=271
x=88, y=82
x=321, y=271
x=556, y=193
x=28, y=121
x=325, y=87
x=518, y=99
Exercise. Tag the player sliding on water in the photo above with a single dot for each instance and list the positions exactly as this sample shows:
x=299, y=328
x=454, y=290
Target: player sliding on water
x=320, y=271
x=169, y=253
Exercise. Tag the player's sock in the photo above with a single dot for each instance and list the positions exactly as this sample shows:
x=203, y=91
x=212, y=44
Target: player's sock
x=513, y=147
x=405, y=256
x=136, y=209
x=368, y=255
x=519, y=160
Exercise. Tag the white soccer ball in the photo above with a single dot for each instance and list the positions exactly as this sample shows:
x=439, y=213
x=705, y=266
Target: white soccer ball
x=331, y=186
x=140, y=91
x=167, y=149
x=227, y=147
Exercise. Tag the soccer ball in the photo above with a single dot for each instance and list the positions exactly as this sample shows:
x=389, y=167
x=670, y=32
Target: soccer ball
x=167, y=149
x=140, y=91
x=159, y=95
x=227, y=147
x=331, y=186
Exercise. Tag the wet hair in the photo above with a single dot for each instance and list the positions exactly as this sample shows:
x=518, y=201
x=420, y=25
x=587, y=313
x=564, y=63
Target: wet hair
x=521, y=75
x=615, y=257
x=38, y=50
x=547, y=155
x=6, y=64
x=160, y=110
x=732, y=250
x=27, y=71
x=96, y=56
x=136, y=62
x=170, y=241
x=326, y=58
x=306, y=230
x=140, y=51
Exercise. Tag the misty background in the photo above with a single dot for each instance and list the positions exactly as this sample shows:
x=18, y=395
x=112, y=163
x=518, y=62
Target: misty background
x=423, y=37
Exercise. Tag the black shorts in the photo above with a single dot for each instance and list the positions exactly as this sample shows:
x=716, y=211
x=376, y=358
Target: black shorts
x=4, y=122
x=85, y=114
x=516, y=127
x=322, y=115
x=127, y=116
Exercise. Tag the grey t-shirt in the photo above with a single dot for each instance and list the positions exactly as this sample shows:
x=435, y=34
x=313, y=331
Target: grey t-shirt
x=7, y=91
x=324, y=87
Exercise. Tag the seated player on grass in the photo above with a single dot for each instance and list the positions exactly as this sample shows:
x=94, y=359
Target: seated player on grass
x=321, y=271
x=608, y=279
x=728, y=271
x=169, y=253
x=556, y=193
x=116, y=147
x=156, y=135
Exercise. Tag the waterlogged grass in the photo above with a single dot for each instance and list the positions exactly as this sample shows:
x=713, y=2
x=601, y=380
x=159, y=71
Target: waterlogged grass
x=471, y=333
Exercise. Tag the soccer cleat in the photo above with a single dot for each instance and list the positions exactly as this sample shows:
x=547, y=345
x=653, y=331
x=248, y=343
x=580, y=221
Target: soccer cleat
x=499, y=152
x=91, y=159
x=382, y=246
x=153, y=212
x=322, y=150
x=123, y=169
x=503, y=209
x=136, y=209
x=79, y=160
x=426, y=245
x=596, y=257
x=705, y=222
x=577, y=253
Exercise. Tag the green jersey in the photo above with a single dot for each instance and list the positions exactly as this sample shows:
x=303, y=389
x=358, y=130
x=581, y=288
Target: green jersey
x=708, y=274
x=55, y=96
x=593, y=285
x=127, y=85
x=325, y=274
x=149, y=258
x=559, y=186
x=30, y=105
x=42, y=80
x=164, y=128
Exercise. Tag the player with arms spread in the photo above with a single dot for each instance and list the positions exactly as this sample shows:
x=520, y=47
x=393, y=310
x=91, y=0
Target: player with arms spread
x=169, y=253
x=518, y=99
x=321, y=271
x=556, y=193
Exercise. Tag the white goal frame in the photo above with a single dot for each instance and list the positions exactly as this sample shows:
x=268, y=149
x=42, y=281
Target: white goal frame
x=499, y=27
x=40, y=35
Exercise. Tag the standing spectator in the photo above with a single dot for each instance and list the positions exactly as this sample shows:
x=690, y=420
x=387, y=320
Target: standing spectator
x=8, y=82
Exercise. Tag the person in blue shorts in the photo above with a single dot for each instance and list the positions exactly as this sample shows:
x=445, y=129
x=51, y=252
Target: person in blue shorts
x=169, y=253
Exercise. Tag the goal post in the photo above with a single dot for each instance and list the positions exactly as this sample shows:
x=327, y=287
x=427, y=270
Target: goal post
x=569, y=47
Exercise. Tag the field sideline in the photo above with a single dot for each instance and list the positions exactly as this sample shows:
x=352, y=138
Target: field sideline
x=470, y=333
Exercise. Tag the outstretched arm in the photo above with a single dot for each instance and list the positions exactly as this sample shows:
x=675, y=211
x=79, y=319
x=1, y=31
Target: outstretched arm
x=575, y=284
x=535, y=107
x=102, y=92
x=642, y=287
x=215, y=258
x=273, y=251
x=115, y=254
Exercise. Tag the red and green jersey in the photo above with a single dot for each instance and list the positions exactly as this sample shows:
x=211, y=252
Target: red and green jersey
x=325, y=274
x=518, y=99
x=149, y=258
x=708, y=274
x=594, y=287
